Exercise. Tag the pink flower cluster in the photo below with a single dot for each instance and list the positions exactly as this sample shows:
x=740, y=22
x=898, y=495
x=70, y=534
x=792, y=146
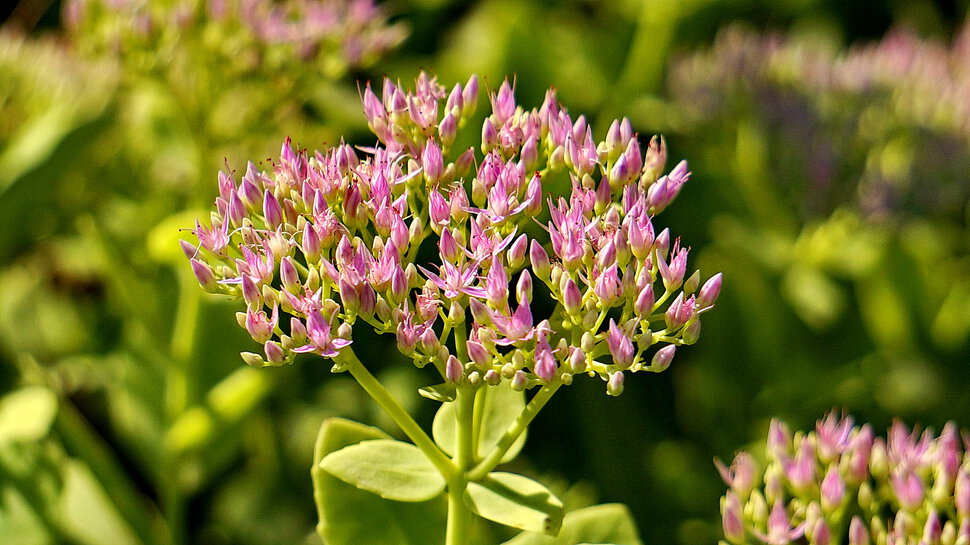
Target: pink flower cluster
x=449, y=250
x=839, y=484
x=349, y=32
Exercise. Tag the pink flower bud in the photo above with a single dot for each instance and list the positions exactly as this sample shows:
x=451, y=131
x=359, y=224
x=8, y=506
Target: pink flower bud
x=478, y=354
x=661, y=360
x=203, y=273
x=489, y=136
x=515, y=256
x=523, y=288
x=503, y=103
x=274, y=353
x=432, y=162
x=741, y=475
x=454, y=372
x=608, y=287
x=540, y=260
x=709, y=291
x=731, y=520
x=289, y=277
x=470, y=96
x=620, y=345
x=251, y=293
x=662, y=243
x=614, y=386
x=858, y=534
x=497, y=285
x=572, y=299
x=311, y=243
x=480, y=313
x=832, y=490
x=643, y=305
x=821, y=535
x=448, y=129
x=545, y=363
x=448, y=247
x=272, y=211
x=577, y=361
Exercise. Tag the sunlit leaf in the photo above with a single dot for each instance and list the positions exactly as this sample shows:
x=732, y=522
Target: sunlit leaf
x=394, y=470
x=351, y=516
x=608, y=523
x=516, y=501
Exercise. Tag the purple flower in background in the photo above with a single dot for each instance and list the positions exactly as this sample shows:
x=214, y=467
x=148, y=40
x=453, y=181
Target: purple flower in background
x=813, y=480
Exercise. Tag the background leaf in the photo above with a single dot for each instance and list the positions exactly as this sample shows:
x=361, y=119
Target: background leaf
x=502, y=406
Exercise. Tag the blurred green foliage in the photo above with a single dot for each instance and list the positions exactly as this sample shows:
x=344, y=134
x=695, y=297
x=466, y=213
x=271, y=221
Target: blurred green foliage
x=831, y=185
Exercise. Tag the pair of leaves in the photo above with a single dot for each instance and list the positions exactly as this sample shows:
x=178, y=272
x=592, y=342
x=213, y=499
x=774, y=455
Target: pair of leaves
x=351, y=513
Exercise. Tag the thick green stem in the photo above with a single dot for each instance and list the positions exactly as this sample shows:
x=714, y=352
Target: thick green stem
x=459, y=516
x=520, y=424
x=394, y=409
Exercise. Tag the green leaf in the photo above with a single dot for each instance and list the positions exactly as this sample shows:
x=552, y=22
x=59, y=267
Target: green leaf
x=502, y=406
x=351, y=516
x=27, y=414
x=608, y=523
x=394, y=470
x=445, y=393
x=517, y=501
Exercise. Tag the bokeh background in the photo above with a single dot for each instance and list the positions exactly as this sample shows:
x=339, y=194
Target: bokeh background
x=830, y=145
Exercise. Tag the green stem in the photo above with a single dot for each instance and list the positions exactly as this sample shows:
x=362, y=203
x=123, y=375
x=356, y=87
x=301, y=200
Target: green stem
x=520, y=424
x=394, y=409
x=459, y=516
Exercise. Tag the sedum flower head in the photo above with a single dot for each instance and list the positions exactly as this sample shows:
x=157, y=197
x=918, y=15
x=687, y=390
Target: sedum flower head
x=456, y=251
x=241, y=34
x=839, y=484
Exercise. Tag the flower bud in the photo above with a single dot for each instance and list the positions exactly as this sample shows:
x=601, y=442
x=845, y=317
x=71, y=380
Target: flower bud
x=643, y=305
x=478, y=354
x=432, y=162
x=691, y=333
x=274, y=353
x=516, y=253
x=661, y=360
x=289, y=276
x=493, y=378
x=272, y=211
x=572, y=299
x=523, y=288
x=614, y=385
x=251, y=293
x=252, y=359
x=710, y=291
x=858, y=534
x=447, y=130
x=540, y=260
x=203, y=273
x=731, y=518
x=577, y=361
x=453, y=370
x=620, y=345
x=519, y=381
